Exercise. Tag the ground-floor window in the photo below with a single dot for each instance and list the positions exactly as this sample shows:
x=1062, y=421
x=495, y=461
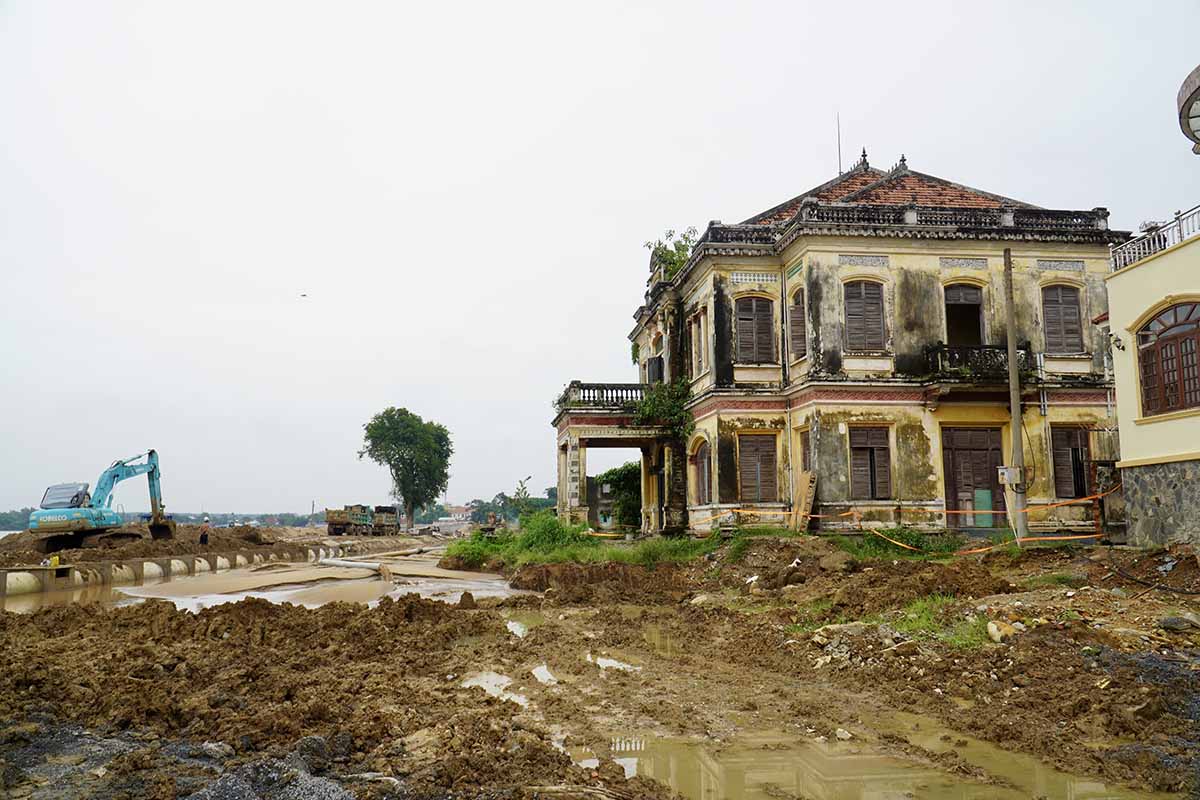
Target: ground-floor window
x=805, y=451
x=1070, y=446
x=756, y=468
x=870, y=464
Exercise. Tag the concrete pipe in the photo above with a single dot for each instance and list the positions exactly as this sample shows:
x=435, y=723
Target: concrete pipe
x=222, y=562
x=178, y=567
x=202, y=565
x=240, y=561
x=22, y=583
x=123, y=574
x=312, y=556
x=271, y=557
x=151, y=571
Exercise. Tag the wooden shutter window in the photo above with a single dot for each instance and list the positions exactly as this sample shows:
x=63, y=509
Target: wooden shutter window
x=796, y=325
x=864, y=316
x=1069, y=455
x=870, y=464
x=1062, y=321
x=756, y=465
x=806, y=451
x=755, y=330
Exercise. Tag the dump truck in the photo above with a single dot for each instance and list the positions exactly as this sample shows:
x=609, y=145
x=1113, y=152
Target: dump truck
x=386, y=522
x=356, y=520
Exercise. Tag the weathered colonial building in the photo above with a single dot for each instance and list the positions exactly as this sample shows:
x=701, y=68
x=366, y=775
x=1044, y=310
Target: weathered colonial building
x=857, y=331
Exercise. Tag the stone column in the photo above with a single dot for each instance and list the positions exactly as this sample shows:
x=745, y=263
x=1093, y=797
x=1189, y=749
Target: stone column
x=675, y=485
x=576, y=510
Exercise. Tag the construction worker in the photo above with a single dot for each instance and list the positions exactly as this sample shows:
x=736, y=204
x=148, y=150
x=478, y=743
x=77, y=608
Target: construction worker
x=204, y=526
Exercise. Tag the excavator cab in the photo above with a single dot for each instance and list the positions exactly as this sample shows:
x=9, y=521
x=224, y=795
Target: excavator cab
x=66, y=495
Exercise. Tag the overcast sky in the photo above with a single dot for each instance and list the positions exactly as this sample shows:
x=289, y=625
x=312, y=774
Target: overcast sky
x=462, y=191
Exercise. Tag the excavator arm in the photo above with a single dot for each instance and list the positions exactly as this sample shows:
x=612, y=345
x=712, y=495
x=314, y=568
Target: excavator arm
x=160, y=526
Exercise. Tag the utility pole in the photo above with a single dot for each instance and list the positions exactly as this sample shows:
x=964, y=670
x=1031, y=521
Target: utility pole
x=1014, y=402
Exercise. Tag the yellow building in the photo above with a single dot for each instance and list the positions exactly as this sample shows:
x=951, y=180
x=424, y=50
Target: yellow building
x=857, y=331
x=1154, y=319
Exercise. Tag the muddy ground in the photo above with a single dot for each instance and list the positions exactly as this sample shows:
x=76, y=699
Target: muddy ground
x=259, y=700
x=18, y=550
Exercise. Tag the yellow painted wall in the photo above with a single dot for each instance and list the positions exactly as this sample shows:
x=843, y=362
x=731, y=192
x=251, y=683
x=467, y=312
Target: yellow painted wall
x=1136, y=293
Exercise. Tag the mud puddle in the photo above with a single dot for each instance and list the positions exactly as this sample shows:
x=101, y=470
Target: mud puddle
x=106, y=596
x=495, y=685
x=519, y=623
x=768, y=766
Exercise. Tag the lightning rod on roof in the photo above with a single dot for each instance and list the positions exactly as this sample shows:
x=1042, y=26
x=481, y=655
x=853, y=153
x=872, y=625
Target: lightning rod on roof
x=839, y=138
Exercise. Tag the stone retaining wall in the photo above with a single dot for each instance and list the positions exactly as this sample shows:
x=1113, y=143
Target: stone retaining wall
x=1163, y=502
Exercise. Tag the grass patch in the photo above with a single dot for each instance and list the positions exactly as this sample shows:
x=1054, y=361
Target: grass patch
x=867, y=546
x=1072, y=579
x=545, y=539
x=811, y=616
x=737, y=550
x=932, y=618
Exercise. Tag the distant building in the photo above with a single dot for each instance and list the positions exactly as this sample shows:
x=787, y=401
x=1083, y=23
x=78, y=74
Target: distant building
x=458, y=513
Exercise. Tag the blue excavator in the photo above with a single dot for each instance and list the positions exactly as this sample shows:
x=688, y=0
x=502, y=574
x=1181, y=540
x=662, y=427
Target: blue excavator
x=70, y=516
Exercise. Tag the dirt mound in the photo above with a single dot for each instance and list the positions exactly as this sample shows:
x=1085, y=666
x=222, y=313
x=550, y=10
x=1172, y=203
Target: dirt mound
x=893, y=585
x=1051, y=693
x=259, y=676
x=20, y=549
x=612, y=582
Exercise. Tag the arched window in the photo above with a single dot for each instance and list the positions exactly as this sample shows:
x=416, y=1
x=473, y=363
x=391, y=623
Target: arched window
x=1170, y=374
x=755, y=331
x=703, y=475
x=797, y=326
x=1060, y=312
x=864, y=316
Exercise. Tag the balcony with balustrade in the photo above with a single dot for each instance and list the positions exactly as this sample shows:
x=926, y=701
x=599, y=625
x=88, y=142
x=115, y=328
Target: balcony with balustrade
x=1155, y=238
x=974, y=364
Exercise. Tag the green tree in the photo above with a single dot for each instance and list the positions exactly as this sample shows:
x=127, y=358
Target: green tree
x=626, y=482
x=416, y=453
x=672, y=252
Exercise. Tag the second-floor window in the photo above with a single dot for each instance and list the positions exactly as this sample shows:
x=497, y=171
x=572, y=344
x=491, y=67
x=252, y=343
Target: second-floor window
x=755, y=331
x=1169, y=360
x=864, y=316
x=696, y=329
x=1062, y=319
x=797, y=326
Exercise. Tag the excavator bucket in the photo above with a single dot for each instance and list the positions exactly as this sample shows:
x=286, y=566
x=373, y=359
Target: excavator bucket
x=162, y=529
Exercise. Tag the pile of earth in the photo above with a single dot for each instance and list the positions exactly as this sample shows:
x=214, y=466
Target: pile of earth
x=19, y=549
x=381, y=686
x=609, y=582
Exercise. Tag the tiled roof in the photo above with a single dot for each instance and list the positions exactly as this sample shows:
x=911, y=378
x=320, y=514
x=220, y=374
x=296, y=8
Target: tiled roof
x=899, y=186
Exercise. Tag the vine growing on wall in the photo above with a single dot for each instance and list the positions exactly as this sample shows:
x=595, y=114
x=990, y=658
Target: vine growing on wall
x=634, y=352
x=666, y=404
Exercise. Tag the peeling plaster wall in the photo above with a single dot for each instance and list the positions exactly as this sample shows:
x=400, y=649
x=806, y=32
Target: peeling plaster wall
x=918, y=473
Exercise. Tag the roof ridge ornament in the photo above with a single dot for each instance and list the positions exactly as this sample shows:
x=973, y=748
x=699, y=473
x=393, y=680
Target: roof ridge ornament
x=862, y=162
